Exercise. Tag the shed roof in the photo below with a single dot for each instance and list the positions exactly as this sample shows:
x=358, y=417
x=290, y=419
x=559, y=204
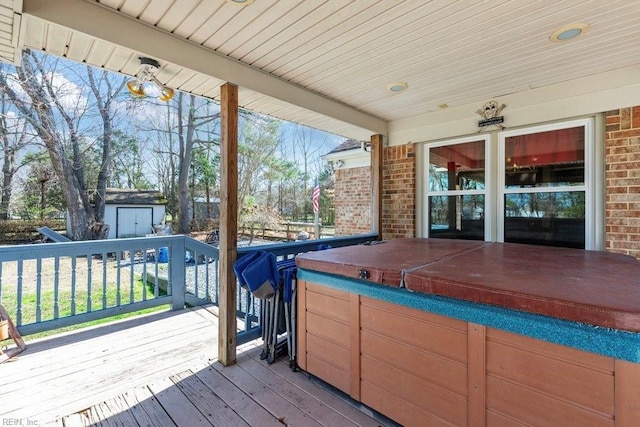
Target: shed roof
x=134, y=197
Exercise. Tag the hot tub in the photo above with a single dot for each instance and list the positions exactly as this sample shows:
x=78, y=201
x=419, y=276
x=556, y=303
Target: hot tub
x=452, y=332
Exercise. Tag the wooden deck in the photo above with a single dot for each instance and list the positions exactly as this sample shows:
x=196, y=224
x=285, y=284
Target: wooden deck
x=161, y=370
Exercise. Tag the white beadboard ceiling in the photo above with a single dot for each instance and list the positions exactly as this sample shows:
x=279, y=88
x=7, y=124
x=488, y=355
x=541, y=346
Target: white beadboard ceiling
x=326, y=63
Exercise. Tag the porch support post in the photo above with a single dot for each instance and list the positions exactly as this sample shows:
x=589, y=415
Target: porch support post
x=376, y=184
x=178, y=274
x=228, y=222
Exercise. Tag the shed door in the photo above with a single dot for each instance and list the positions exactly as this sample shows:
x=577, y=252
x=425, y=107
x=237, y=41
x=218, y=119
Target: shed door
x=134, y=222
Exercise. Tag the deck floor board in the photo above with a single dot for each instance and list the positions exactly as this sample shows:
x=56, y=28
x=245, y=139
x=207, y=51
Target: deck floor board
x=310, y=405
x=247, y=408
x=161, y=370
x=207, y=401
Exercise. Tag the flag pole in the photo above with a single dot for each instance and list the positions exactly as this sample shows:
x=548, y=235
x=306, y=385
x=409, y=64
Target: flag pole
x=316, y=207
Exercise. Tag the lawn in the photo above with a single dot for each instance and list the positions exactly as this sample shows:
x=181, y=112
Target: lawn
x=96, y=285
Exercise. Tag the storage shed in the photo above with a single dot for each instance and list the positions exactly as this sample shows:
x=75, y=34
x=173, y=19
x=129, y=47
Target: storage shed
x=133, y=213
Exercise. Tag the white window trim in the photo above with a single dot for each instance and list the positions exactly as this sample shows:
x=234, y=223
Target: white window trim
x=589, y=175
x=594, y=185
x=488, y=208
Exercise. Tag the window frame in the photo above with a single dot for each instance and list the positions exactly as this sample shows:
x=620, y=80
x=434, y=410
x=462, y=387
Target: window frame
x=488, y=208
x=495, y=191
x=587, y=187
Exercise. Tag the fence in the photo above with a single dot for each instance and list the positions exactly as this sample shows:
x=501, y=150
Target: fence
x=14, y=231
x=48, y=286
x=289, y=231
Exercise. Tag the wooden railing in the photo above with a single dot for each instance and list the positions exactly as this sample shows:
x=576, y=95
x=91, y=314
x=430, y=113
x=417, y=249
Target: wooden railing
x=53, y=285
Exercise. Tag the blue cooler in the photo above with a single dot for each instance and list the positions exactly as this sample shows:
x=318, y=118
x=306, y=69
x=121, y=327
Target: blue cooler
x=163, y=254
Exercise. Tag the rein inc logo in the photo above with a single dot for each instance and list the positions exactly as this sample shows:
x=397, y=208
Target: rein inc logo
x=19, y=422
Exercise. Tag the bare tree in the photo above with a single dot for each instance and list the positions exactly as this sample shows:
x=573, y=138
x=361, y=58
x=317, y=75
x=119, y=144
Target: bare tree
x=186, y=129
x=308, y=148
x=187, y=122
x=56, y=117
x=14, y=137
x=104, y=90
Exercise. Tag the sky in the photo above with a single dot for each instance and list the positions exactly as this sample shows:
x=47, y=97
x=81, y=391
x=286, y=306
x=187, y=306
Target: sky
x=66, y=78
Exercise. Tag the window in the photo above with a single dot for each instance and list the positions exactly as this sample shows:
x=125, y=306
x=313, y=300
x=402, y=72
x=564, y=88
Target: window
x=456, y=189
x=543, y=191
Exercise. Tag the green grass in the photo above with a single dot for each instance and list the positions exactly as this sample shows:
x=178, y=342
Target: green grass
x=140, y=290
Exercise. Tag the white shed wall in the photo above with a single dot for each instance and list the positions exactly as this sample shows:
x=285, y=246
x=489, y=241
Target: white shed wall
x=111, y=217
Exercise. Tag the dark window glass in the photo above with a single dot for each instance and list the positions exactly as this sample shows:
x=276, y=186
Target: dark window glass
x=553, y=219
x=457, y=217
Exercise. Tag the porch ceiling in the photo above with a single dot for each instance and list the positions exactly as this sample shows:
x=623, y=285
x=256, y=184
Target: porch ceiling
x=327, y=64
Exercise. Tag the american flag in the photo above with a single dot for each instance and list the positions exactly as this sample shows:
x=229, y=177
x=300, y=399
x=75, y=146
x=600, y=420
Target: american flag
x=316, y=197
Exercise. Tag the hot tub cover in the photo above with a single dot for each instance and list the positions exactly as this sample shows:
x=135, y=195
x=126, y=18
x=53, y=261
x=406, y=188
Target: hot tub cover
x=384, y=261
x=598, y=288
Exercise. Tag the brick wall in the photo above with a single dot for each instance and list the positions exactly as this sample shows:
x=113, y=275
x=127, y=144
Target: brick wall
x=399, y=192
x=622, y=202
x=353, y=201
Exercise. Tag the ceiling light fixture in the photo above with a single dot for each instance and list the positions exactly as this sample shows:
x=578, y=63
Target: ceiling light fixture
x=397, y=86
x=147, y=74
x=241, y=2
x=569, y=32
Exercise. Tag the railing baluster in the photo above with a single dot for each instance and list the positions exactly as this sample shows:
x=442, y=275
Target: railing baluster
x=104, y=279
x=56, y=287
x=89, y=280
x=73, y=285
x=216, y=266
x=207, y=277
x=145, y=258
x=132, y=255
x=19, y=295
x=238, y=298
x=170, y=256
x=156, y=288
x=118, y=267
x=196, y=282
x=39, y=290
x=247, y=315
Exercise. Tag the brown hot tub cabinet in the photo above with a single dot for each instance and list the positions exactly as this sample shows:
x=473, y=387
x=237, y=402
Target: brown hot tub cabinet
x=438, y=332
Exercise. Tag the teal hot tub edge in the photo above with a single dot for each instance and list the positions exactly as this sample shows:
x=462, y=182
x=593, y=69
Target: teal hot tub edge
x=615, y=343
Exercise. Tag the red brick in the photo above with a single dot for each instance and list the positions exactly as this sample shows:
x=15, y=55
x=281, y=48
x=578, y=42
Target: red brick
x=398, y=207
x=612, y=120
x=622, y=165
x=625, y=118
x=627, y=133
x=635, y=117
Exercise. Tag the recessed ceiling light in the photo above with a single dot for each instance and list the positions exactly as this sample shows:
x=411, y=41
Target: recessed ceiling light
x=241, y=2
x=569, y=31
x=397, y=86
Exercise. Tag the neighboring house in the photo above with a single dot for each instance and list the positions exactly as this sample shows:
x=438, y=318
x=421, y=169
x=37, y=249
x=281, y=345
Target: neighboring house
x=133, y=213
x=352, y=166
